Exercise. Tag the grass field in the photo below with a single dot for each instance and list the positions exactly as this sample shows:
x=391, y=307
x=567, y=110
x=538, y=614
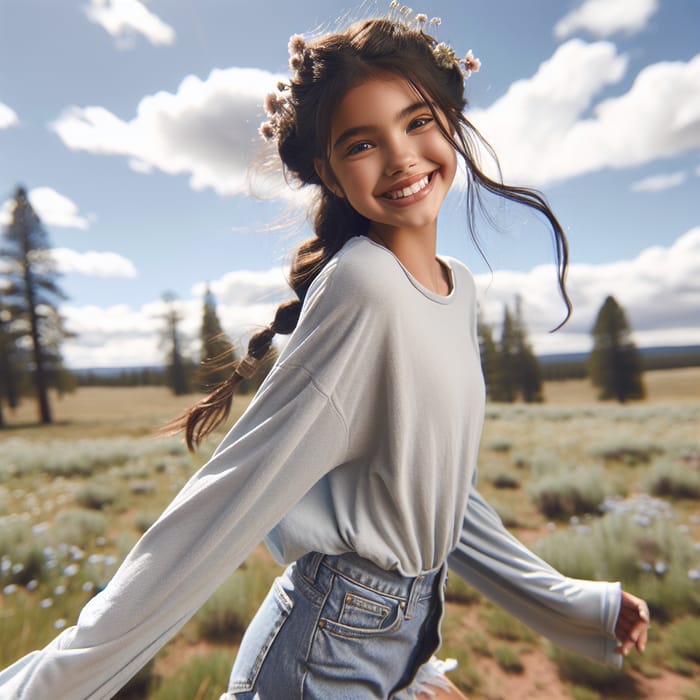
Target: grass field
x=601, y=490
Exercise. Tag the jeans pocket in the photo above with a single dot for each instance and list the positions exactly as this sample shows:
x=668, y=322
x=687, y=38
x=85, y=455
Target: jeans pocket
x=352, y=610
x=259, y=637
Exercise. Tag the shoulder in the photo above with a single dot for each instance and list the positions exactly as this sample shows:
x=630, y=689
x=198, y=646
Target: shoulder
x=361, y=271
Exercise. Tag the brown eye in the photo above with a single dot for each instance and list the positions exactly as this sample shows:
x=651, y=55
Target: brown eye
x=358, y=148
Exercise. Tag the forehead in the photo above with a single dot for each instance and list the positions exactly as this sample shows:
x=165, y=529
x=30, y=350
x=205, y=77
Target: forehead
x=372, y=103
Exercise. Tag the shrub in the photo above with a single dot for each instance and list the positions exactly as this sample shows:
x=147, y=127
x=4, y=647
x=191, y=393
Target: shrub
x=459, y=591
x=144, y=519
x=204, y=676
x=508, y=659
x=684, y=639
x=561, y=495
x=577, y=669
x=505, y=481
x=99, y=493
x=674, y=480
x=501, y=445
x=228, y=612
x=79, y=527
x=630, y=451
x=502, y=625
x=637, y=543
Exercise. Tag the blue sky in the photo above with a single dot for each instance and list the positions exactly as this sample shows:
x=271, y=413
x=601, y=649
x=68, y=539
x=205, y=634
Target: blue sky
x=133, y=126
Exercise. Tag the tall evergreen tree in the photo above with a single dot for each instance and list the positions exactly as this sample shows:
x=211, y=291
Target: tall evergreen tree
x=510, y=366
x=176, y=366
x=217, y=350
x=506, y=380
x=34, y=294
x=9, y=388
x=614, y=364
x=528, y=373
x=489, y=356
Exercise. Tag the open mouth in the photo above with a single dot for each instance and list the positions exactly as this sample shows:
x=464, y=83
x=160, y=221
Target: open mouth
x=411, y=189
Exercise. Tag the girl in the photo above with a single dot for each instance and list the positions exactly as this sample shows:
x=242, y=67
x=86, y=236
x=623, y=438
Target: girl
x=356, y=458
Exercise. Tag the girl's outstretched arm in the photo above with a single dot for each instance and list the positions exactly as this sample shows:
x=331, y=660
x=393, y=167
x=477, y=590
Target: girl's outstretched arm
x=583, y=616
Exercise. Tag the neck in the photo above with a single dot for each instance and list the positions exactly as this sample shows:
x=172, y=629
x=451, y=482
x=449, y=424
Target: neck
x=417, y=252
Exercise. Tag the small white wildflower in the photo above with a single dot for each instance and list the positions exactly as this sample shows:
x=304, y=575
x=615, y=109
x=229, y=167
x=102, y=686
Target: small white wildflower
x=17, y=568
x=46, y=603
x=59, y=624
x=88, y=586
x=71, y=570
x=9, y=589
x=32, y=585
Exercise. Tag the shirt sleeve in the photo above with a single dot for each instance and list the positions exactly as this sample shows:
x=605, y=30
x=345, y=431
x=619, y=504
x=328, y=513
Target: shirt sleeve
x=575, y=614
x=290, y=435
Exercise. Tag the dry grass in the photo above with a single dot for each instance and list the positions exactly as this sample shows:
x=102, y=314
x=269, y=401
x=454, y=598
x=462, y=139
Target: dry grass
x=667, y=385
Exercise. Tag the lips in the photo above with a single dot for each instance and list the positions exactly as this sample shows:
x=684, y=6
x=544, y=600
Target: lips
x=407, y=191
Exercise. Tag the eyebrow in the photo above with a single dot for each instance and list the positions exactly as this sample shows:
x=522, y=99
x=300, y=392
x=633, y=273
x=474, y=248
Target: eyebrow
x=355, y=130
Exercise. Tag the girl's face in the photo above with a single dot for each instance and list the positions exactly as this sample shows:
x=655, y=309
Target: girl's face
x=388, y=157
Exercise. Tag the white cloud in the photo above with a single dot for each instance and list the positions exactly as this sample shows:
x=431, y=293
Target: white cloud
x=8, y=117
x=123, y=19
x=657, y=183
x=541, y=135
x=603, y=18
x=659, y=290
x=207, y=129
x=53, y=208
x=93, y=263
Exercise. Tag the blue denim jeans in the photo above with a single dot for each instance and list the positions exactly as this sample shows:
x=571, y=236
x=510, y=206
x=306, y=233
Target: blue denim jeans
x=339, y=628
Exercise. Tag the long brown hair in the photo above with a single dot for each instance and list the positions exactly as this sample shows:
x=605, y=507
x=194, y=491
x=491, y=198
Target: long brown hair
x=323, y=72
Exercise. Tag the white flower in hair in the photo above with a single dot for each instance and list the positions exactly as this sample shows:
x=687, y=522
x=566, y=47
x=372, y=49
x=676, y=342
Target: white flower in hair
x=444, y=55
x=297, y=44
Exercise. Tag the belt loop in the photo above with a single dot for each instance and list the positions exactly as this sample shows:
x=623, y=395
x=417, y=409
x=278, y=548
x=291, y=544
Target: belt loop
x=413, y=596
x=311, y=571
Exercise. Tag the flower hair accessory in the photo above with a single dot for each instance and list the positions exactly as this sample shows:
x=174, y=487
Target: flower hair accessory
x=444, y=54
x=276, y=104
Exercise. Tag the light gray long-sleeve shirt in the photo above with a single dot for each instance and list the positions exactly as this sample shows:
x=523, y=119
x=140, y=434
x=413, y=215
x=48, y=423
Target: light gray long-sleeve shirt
x=363, y=438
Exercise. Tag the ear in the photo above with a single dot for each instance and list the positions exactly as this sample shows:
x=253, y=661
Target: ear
x=324, y=171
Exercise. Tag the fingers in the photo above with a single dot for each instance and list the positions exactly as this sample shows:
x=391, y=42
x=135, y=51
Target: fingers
x=632, y=624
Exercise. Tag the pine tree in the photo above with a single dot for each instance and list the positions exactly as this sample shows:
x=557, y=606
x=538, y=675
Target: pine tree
x=614, y=364
x=217, y=351
x=176, y=366
x=510, y=366
x=506, y=381
x=33, y=292
x=528, y=373
x=489, y=356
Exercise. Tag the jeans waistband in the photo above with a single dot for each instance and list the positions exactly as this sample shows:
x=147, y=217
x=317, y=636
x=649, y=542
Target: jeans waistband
x=407, y=589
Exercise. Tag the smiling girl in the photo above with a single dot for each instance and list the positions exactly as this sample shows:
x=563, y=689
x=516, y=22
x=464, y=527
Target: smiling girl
x=356, y=459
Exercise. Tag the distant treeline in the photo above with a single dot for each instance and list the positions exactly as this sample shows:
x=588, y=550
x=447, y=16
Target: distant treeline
x=575, y=366
x=138, y=376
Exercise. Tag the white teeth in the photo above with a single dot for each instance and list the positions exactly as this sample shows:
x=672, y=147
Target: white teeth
x=408, y=191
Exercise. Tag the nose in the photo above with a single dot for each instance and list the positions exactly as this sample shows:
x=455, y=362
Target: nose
x=400, y=155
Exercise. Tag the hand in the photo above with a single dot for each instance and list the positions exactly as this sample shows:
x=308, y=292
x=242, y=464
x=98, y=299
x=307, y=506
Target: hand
x=632, y=624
